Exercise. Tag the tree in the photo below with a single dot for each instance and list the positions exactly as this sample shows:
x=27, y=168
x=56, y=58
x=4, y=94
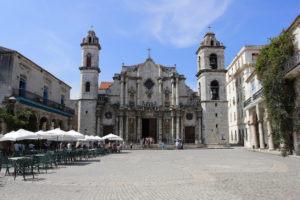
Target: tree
x=21, y=119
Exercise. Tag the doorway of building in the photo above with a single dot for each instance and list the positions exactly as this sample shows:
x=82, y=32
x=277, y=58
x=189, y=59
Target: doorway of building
x=149, y=128
x=189, y=134
x=107, y=130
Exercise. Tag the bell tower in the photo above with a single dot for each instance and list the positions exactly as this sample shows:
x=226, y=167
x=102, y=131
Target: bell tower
x=89, y=74
x=212, y=91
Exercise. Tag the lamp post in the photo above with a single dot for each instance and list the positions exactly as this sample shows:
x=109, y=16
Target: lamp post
x=11, y=105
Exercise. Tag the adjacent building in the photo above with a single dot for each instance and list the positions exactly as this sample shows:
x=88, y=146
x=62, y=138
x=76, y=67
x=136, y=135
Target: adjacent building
x=292, y=72
x=238, y=71
x=29, y=86
x=247, y=114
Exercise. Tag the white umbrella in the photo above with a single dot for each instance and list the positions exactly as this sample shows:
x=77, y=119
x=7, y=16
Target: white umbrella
x=56, y=134
x=86, y=138
x=76, y=134
x=99, y=138
x=112, y=137
x=115, y=139
x=91, y=138
x=46, y=135
x=20, y=134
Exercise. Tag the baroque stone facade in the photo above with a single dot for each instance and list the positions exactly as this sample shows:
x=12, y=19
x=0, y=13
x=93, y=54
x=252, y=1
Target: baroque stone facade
x=152, y=100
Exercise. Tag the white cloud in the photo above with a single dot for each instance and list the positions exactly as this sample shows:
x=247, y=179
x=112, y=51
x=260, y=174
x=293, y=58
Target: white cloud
x=177, y=22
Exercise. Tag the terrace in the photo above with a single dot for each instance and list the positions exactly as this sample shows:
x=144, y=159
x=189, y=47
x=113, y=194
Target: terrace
x=32, y=99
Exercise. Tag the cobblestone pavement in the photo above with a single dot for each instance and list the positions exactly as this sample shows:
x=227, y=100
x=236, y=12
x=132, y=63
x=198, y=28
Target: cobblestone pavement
x=155, y=174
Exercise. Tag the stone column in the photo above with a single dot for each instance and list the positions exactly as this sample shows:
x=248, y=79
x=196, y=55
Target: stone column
x=116, y=125
x=198, y=130
x=99, y=127
x=121, y=133
x=296, y=139
x=270, y=134
x=182, y=128
x=122, y=91
x=177, y=92
x=139, y=129
x=160, y=90
x=173, y=92
x=172, y=126
x=138, y=99
x=126, y=91
x=252, y=130
x=178, y=126
x=260, y=128
x=126, y=135
x=159, y=138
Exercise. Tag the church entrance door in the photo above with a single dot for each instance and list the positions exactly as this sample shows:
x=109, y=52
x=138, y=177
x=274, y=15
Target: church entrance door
x=149, y=128
x=107, y=130
x=189, y=134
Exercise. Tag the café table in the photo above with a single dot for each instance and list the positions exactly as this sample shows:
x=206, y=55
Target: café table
x=20, y=164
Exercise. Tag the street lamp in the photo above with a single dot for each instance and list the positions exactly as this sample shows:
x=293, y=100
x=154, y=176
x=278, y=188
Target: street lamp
x=11, y=104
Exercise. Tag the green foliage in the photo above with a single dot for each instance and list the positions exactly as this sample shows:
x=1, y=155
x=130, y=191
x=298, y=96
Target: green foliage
x=278, y=93
x=22, y=119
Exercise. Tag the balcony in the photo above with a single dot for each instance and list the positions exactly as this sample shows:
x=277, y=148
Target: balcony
x=257, y=94
x=254, y=97
x=247, y=102
x=292, y=63
x=37, y=101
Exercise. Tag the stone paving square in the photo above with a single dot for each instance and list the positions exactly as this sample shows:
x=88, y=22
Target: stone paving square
x=165, y=174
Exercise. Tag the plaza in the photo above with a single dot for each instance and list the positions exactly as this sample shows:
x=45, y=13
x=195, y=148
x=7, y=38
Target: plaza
x=165, y=174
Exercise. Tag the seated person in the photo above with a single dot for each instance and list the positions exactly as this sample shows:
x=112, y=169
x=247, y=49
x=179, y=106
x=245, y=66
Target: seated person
x=31, y=146
x=118, y=148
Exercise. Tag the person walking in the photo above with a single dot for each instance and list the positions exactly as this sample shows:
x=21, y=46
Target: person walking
x=162, y=146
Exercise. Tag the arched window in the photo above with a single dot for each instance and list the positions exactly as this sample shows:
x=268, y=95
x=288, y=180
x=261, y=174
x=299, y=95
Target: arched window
x=213, y=61
x=90, y=39
x=62, y=99
x=199, y=63
x=89, y=60
x=45, y=95
x=211, y=43
x=22, y=85
x=87, y=86
x=214, y=87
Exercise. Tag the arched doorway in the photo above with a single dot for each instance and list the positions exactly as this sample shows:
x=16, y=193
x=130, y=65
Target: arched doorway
x=44, y=124
x=53, y=124
x=61, y=125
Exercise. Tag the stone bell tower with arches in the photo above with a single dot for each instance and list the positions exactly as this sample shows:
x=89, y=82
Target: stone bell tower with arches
x=211, y=90
x=89, y=74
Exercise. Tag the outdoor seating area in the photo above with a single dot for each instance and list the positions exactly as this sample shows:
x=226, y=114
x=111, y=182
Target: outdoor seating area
x=35, y=153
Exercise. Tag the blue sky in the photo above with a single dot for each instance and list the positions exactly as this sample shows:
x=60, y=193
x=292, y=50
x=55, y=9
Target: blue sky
x=49, y=32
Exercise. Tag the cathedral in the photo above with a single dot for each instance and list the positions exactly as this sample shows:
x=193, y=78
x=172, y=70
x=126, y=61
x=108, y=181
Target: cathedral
x=152, y=100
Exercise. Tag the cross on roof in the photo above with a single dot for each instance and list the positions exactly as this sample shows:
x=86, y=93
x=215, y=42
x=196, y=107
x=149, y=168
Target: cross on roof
x=148, y=52
x=209, y=27
x=92, y=27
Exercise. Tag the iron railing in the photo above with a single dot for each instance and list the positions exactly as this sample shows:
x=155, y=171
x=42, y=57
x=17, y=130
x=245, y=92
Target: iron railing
x=247, y=102
x=257, y=94
x=291, y=63
x=17, y=92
